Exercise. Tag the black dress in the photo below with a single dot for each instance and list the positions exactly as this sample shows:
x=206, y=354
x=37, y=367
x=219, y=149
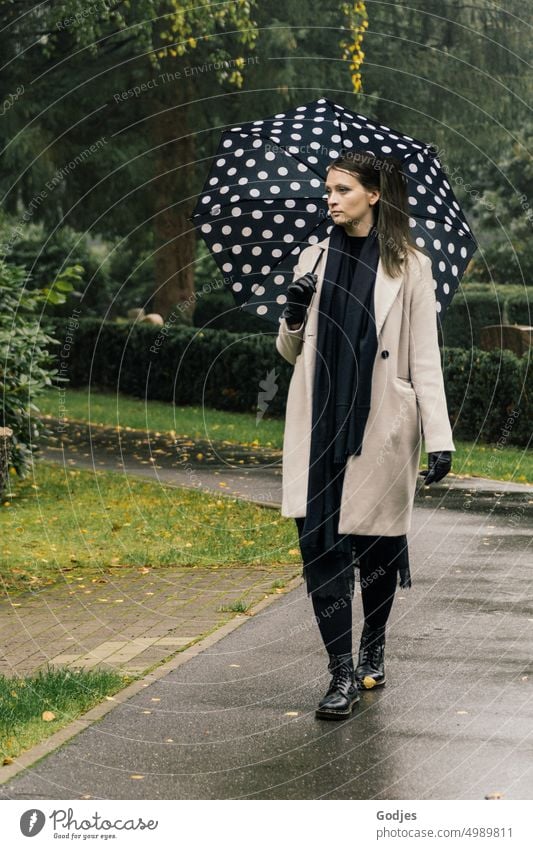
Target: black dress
x=370, y=553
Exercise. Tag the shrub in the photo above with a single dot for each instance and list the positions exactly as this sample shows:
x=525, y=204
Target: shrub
x=26, y=358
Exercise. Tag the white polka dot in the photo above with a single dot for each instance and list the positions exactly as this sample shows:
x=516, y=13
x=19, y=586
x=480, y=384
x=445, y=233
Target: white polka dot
x=262, y=309
x=216, y=248
x=281, y=299
x=205, y=228
x=236, y=287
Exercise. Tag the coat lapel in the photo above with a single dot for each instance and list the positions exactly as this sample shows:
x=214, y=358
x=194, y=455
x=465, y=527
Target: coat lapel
x=386, y=289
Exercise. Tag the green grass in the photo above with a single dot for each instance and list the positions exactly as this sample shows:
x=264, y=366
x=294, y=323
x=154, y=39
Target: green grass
x=60, y=694
x=510, y=463
x=238, y=606
x=194, y=422
x=72, y=525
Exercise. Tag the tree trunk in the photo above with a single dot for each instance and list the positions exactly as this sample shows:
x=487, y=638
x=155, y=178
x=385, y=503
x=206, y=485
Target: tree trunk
x=173, y=185
x=5, y=456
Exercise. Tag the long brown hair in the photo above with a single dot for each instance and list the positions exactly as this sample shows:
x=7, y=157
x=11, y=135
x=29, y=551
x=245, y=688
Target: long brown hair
x=391, y=216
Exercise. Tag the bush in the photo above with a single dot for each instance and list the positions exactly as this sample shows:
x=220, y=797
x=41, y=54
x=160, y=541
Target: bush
x=26, y=359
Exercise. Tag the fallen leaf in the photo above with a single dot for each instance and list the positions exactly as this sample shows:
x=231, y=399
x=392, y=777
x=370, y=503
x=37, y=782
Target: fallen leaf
x=48, y=716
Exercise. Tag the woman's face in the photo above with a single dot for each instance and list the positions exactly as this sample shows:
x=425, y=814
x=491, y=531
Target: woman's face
x=349, y=203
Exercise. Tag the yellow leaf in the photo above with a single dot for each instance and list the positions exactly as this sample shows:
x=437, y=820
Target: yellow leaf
x=48, y=716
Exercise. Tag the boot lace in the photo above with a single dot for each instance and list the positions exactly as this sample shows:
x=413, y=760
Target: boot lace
x=342, y=677
x=372, y=653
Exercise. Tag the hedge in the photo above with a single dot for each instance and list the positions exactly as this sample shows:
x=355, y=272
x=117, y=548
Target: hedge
x=223, y=370
x=473, y=307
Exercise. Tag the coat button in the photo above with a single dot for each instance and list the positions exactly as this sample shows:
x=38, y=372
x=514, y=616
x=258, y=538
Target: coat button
x=384, y=354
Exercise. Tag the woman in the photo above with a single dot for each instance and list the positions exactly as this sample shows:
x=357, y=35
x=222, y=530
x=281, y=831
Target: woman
x=367, y=384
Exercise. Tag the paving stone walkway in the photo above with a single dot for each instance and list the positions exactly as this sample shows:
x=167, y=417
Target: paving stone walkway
x=132, y=622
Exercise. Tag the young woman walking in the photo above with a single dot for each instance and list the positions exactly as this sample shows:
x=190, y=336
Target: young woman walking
x=360, y=329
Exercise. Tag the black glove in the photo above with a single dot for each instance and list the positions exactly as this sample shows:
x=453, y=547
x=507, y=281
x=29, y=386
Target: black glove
x=299, y=294
x=439, y=464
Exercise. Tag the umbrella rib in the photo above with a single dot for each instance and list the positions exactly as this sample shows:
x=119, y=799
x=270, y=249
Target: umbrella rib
x=247, y=301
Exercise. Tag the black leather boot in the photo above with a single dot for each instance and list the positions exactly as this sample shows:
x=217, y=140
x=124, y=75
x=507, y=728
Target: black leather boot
x=342, y=693
x=370, y=671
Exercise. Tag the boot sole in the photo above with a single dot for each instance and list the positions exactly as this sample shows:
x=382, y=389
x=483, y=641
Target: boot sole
x=335, y=714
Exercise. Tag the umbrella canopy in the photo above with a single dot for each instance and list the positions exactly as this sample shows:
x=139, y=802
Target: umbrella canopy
x=264, y=200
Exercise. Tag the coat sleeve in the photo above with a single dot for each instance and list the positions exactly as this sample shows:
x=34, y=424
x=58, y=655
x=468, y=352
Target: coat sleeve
x=289, y=342
x=425, y=363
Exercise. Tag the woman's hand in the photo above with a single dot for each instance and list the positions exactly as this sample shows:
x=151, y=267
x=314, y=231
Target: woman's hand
x=439, y=464
x=299, y=294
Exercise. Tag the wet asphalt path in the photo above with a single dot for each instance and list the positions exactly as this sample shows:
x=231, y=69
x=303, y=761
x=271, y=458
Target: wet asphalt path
x=454, y=721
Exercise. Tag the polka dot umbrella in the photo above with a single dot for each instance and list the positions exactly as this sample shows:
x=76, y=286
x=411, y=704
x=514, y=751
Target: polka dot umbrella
x=264, y=200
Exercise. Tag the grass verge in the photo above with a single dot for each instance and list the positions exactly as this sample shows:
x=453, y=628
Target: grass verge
x=470, y=459
x=34, y=708
x=71, y=524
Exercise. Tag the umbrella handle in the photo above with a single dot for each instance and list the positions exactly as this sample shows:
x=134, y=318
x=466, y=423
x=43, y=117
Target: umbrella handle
x=317, y=260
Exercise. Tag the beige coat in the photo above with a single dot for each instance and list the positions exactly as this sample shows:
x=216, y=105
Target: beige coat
x=407, y=402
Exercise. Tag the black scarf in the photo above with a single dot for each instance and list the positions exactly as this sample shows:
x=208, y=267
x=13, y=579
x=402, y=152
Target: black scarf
x=346, y=346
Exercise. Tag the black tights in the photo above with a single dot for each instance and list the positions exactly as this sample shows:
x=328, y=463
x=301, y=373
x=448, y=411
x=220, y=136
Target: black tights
x=334, y=615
